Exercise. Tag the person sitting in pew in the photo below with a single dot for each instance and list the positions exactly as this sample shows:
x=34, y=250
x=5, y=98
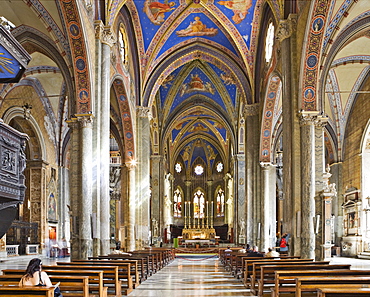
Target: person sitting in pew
x=272, y=253
x=34, y=276
x=254, y=252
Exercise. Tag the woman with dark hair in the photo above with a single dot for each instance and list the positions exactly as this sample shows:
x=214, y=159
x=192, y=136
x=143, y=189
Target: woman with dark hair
x=34, y=276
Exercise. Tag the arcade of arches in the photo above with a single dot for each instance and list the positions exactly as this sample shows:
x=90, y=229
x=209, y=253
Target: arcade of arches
x=146, y=118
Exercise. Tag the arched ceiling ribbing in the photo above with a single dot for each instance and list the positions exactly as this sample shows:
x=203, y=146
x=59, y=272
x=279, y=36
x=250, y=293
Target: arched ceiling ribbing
x=196, y=70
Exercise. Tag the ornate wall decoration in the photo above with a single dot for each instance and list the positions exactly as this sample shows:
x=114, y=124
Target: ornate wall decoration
x=312, y=56
x=78, y=48
x=120, y=92
x=272, y=95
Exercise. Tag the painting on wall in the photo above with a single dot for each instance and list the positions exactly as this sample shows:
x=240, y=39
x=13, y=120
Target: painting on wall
x=52, y=208
x=156, y=10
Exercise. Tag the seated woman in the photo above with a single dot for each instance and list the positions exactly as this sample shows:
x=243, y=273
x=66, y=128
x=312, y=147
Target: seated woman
x=34, y=276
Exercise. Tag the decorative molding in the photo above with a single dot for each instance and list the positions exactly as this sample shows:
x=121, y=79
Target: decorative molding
x=312, y=118
x=251, y=109
x=99, y=29
x=143, y=111
x=108, y=37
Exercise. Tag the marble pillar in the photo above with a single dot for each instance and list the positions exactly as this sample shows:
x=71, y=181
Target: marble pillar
x=157, y=185
x=286, y=38
x=143, y=177
x=108, y=39
x=239, y=168
x=229, y=200
x=36, y=191
x=252, y=170
x=131, y=230
x=268, y=206
x=64, y=200
x=308, y=171
x=99, y=29
x=81, y=185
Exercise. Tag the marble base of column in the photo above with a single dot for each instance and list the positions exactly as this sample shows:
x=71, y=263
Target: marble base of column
x=85, y=248
x=105, y=246
x=75, y=249
x=96, y=247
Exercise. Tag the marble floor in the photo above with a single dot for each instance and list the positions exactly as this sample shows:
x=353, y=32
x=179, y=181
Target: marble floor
x=185, y=277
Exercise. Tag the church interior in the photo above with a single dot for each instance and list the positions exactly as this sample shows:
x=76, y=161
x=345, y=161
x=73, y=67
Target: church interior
x=175, y=123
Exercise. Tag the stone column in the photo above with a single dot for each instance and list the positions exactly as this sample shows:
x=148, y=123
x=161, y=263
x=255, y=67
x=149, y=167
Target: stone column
x=251, y=160
x=268, y=206
x=286, y=38
x=81, y=185
x=36, y=172
x=239, y=168
x=99, y=29
x=108, y=39
x=157, y=192
x=131, y=234
x=143, y=176
x=308, y=183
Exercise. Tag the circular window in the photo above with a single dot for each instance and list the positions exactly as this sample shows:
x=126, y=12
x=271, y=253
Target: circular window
x=178, y=167
x=219, y=167
x=198, y=169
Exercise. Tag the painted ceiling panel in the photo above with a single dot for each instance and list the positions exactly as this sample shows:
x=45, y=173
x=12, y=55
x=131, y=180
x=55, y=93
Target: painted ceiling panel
x=359, y=46
x=228, y=80
x=197, y=83
x=199, y=128
x=241, y=13
x=178, y=128
x=197, y=25
x=167, y=85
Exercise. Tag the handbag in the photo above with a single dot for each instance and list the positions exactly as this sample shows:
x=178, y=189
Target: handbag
x=57, y=292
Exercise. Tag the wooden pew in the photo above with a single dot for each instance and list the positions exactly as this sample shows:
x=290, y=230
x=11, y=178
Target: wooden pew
x=10, y=291
x=95, y=277
x=154, y=256
x=69, y=285
x=282, y=278
x=341, y=291
x=248, y=266
x=125, y=269
x=312, y=283
x=261, y=276
x=240, y=257
x=267, y=273
x=110, y=275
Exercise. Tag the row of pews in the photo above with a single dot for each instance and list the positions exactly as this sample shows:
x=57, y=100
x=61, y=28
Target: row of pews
x=112, y=275
x=291, y=275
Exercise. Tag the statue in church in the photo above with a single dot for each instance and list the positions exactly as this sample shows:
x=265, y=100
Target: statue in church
x=242, y=226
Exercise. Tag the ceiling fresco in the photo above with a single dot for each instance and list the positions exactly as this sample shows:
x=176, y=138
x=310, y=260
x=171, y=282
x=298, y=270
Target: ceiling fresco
x=196, y=68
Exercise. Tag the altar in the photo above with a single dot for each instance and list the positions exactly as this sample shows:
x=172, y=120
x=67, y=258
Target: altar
x=200, y=236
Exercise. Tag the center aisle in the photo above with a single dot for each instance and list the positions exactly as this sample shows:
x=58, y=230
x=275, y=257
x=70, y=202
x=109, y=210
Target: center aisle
x=191, y=277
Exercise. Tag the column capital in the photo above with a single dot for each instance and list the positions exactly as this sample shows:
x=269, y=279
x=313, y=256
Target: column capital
x=99, y=28
x=187, y=183
x=312, y=118
x=251, y=109
x=209, y=183
x=143, y=111
x=266, y=165
x=81, y=120
x=286, y=28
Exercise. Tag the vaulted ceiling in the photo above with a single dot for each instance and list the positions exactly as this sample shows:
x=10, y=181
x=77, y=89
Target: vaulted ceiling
x=197, y=65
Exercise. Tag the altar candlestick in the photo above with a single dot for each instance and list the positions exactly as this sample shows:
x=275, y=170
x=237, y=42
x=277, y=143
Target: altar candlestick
x=207, y=222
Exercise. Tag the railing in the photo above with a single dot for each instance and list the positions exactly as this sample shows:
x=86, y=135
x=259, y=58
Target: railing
x=12, y=250
x=32, y=249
